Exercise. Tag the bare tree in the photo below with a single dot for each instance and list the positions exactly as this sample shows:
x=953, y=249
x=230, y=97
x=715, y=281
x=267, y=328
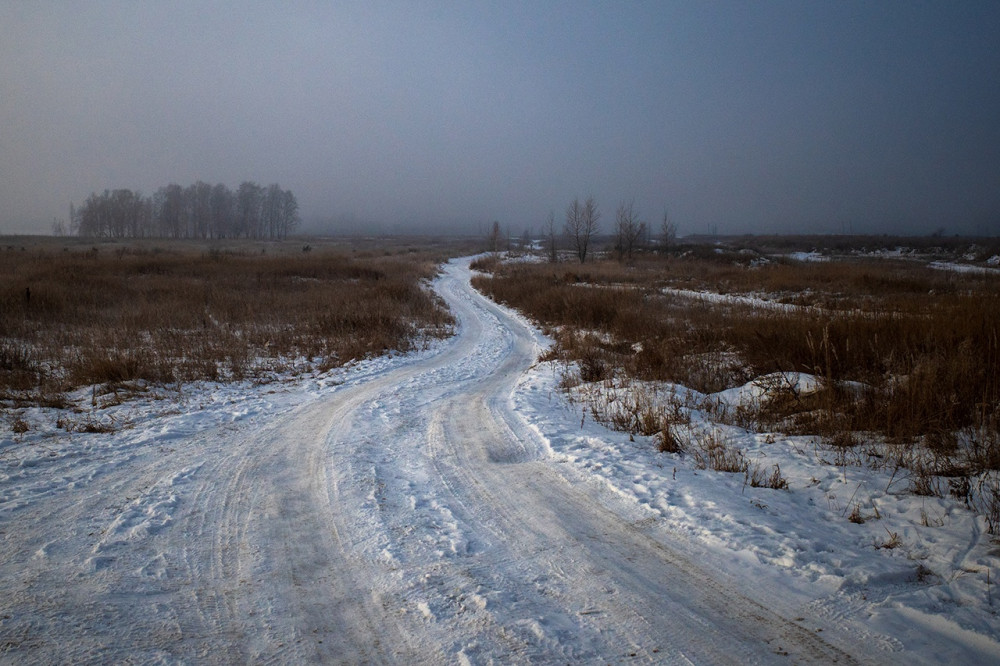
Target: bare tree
x=591, y=217
x=494, y=237
x=199, y=198
x=249, y=198
x=550, y=232
x=223, y=212
x=272, y=205
x=170, y=211
x=581, y=225
x=668, y=232
x=289, y=213
x=574, y=224
x=629, y=229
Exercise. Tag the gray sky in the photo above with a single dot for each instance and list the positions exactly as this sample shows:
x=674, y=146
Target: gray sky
x=745, y=117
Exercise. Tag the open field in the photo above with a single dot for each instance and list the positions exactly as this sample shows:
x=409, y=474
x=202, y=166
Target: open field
x=119, y=315
x=860, y=348
x=467, y=500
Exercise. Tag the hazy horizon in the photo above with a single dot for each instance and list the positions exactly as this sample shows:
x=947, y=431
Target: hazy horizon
x=767, y=117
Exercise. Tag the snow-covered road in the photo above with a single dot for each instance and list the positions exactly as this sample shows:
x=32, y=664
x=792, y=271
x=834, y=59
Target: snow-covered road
x=408, y=515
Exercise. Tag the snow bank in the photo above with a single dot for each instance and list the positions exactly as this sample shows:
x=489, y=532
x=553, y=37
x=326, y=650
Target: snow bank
x=903, y=559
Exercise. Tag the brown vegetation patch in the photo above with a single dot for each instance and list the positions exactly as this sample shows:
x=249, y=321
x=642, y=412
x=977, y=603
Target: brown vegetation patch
x=903, y=350
x=77, y=315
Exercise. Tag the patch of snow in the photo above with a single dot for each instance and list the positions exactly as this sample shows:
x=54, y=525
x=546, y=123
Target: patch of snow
x=754, y=392
x=807, y=256
x=963, y=268
x=734, y=299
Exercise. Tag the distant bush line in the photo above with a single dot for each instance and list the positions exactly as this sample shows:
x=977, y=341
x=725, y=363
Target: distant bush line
x=199, y=211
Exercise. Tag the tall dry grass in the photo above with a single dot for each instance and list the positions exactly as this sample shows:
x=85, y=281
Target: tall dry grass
x=905, y=351
x=78, y=315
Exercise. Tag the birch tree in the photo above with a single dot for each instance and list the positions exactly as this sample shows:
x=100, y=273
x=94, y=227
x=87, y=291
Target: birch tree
x=629, y=229
x=581, y=225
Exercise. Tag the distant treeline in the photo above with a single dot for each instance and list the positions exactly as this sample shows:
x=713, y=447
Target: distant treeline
x=197, y=211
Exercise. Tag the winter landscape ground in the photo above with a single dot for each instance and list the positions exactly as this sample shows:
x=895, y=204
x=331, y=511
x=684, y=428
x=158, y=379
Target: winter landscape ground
x=464, y=503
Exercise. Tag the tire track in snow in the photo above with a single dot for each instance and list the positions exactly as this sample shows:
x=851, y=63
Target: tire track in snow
x=537, y=569
x=405, y=517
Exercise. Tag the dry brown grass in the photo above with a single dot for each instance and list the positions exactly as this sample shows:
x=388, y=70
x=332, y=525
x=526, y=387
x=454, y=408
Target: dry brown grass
x=716, y=453
x=906, y=351
x=77, y=315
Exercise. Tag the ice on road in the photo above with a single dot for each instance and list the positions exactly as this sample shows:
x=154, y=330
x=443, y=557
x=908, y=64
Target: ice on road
x=408, y=515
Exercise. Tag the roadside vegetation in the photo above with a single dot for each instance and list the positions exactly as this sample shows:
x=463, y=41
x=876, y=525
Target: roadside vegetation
x=888, y=359
x=122, y=316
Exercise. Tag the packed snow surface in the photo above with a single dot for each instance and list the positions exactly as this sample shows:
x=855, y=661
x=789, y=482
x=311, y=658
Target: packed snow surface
x=451, y=506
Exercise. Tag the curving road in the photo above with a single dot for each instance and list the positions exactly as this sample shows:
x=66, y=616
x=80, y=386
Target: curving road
x=410, y=518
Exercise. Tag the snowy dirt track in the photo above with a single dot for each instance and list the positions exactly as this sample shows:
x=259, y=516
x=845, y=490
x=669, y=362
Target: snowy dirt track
x=408, y=515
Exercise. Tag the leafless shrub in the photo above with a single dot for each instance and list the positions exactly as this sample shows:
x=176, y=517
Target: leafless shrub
x=667, y=440
x=892, y=542
x=486, y=263
x=714, y=452
x=983, y=450
x=843, y=440
x=89, y=423
x=637, y=410
x=960, y=488
x=592, y=366
x=16, y=356
x=987, y=501
x=99, y=366
x=18, y=424
x=19, y=367
x=922, y=481
x=758, y=477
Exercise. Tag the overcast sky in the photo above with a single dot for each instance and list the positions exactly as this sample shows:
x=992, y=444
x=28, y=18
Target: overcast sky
x=739, y=117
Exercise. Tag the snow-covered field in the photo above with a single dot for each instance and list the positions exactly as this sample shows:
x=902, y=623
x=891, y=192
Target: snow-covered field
x=452, y=506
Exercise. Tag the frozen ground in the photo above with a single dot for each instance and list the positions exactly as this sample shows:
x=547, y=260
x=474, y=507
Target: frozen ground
x=450, y=506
